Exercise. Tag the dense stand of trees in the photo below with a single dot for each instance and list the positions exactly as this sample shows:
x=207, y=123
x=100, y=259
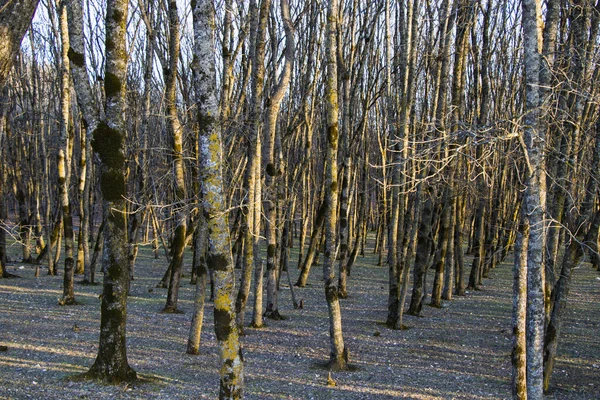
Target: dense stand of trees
x=442, y=131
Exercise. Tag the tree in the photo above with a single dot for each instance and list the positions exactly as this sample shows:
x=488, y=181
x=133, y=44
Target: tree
x=176, y=130
x=534, y=200
x=338, y=357
x=109, y=144
x=219, y=259
x=15, y=18
x=272, y=170
x=64, y=159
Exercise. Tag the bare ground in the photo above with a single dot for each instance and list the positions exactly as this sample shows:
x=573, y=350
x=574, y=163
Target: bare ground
x=461, y=351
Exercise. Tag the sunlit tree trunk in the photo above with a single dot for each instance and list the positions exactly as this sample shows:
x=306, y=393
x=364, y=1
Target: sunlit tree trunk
x=534, y=200
x=64, y=160
x=219, y=258
x=15, y=18
x=519, y=312
x=176, y=131
x=90, y=114
x=199, y=266
x=272, y=171
x=338, y=358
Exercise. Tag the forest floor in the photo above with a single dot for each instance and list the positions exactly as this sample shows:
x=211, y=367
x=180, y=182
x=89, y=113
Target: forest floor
x=461, y=351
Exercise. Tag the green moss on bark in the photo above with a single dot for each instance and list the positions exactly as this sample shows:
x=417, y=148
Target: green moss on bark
x=217, y=262
x=107, y=143
x=110, y=44
x=112, y=184
x=112, y=85
x=222, y=326
x=332, y=135
x=117, y=16
x=76, y=58
x=271, y=169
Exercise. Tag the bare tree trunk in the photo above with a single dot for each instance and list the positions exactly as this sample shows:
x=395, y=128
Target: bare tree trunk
x=90, y=111
x=272, y=171
x=219, y=258
x=15, y=18
x=317, y=229
x=519, y=359
x=534, y=198
x=199, y=266
x=176, y=130
x=109, y=144
x=64, y=161
x=338, y=358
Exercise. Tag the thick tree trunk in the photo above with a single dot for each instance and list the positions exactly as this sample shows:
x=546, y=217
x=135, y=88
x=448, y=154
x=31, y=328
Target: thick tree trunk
x=219, y=258
x=534, y=199
x=109, y=144
x=15, y=18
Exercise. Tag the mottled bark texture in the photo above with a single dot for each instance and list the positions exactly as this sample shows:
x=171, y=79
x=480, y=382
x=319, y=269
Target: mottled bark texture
x=176, y=130
x=64, y=160
x=109, y=144
x=199, y=266
x=534, y=201
x=88, y=105
x=519, y=311
x=273, y=171
x=219, y=258
x=15, y=18
x=338, y=356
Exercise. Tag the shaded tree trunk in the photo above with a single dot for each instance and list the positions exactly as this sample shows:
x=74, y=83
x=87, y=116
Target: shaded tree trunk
x=109, y=144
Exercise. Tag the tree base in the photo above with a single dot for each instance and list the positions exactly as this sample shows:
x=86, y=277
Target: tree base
x=67, y=301
x=171, y=310
x=274, y=315
x=106, y=375
x=8, y=275
x=339, y=363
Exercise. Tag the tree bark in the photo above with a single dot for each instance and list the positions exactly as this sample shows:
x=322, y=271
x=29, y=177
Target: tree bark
x=519, y=312
x=109, y=144
x=272, y=171
x=534, y=198
x=338, y=357
x=219, y=258
x=176, y=131
x=15, y=18
x=199, y=266
x=64, y=161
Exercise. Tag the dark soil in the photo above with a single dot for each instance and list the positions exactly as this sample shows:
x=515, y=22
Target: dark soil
x=461, y=351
